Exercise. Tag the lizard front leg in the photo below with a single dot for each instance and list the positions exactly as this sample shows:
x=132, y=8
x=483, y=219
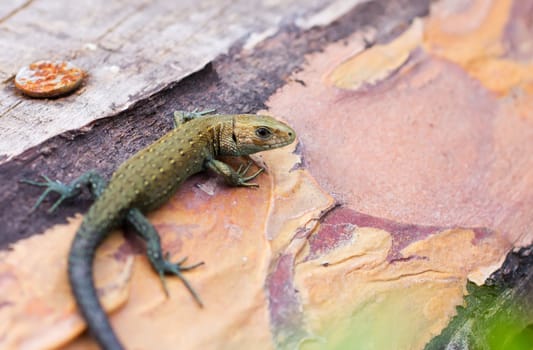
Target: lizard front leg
x=91, y=179
x=232, y=177
x=160, y=262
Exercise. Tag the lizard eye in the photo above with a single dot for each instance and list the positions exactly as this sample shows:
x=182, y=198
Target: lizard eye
x=263, y=133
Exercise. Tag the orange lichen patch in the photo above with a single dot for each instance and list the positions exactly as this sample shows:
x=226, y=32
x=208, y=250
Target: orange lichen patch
x=466, y=33
x=48, y=79
x=473, y=36
x=37, y=310
x=353, y=294
x=377, y=63
x=501, y=75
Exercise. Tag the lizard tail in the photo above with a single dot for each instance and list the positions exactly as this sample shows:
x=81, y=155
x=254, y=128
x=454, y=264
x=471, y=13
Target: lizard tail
x=80, y=270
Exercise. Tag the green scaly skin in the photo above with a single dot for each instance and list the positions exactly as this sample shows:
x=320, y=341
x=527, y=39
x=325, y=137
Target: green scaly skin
x=147, y=180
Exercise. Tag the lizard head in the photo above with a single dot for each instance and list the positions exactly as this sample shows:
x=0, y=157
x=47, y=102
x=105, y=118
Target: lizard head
x=256, y=133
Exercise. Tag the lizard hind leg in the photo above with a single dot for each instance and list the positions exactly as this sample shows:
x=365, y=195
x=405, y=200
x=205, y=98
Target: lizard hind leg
x=160, y=262
x=92, y=179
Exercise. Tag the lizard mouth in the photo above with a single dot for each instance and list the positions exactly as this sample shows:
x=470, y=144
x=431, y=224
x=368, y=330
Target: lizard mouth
x=283, y=141
x=279, y=144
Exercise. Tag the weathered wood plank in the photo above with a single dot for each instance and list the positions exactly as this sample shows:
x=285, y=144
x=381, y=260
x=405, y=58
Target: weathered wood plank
x=130, y=49
x=9, y=8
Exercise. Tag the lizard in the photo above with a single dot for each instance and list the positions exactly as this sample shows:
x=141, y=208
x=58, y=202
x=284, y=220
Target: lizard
x=147, y=180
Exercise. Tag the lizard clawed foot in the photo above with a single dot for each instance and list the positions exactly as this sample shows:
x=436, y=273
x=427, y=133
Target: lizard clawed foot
x=196, y=113
x=64, y=191
x=243, y=180
x=181, y=117
x=165, y=267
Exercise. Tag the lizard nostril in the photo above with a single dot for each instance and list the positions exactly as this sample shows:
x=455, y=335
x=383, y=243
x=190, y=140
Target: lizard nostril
x=290, y=134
